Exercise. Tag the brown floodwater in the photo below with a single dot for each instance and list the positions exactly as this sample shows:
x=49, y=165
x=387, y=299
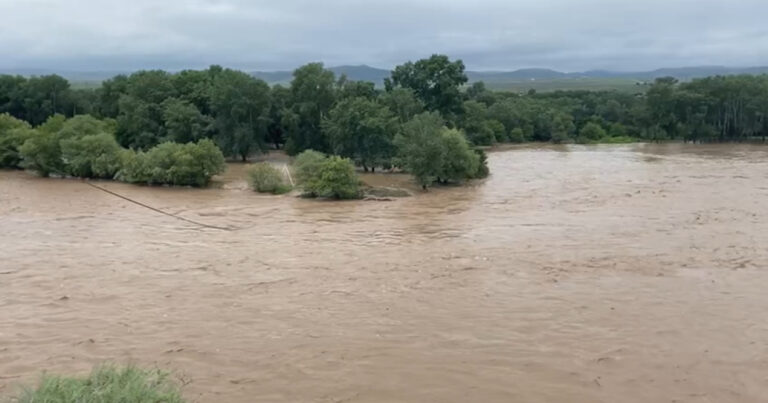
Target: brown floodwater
x=632, y=273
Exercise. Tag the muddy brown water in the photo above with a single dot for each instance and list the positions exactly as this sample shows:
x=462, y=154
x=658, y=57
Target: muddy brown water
x=632, y=273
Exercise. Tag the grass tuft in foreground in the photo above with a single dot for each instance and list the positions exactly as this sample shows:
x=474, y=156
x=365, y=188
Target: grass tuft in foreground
x=106, y=384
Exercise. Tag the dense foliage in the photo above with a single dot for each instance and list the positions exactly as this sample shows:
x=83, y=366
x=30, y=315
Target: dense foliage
x=106, y=384
x=191, y=164
x=85, y=147
x=433, y=153
x=374, y=128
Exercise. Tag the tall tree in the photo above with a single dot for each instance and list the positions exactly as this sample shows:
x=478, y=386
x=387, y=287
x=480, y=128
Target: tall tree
x=183, y=121
x=403, y=103
x=312, y=96
x=362, y=130
x=436, y=81
x=240, y=104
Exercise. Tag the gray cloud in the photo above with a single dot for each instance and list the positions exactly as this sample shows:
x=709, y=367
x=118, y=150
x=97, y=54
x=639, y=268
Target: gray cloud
x=568, y=35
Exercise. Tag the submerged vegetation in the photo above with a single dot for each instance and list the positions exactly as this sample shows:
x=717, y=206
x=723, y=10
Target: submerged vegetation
x=324, y=176
x=156, y=127
x=265, y=178
x=105, y=384
x=85, y=147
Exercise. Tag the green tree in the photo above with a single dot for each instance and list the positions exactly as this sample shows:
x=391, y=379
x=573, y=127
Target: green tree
x=661, y=105
x=355, y=89
x=436, y=81
x=139, y=124
x=517, y=135
x=12, y=95
x=562, y=128
x=241, y=106
x=459, y=162
x=476, y=124
x=419, y=147
x=281, y=117
x=108, y=96
x=591, y=132
x=13, y=133
x=191, y=164
x=140, y=119
x=53, y=124
x=312, y=96
x=363, y=130
x=41, y=153
x=44, y=96
x=91, y=156
x=76, y=126
x=195, y=86
x=183, y=121
x=403, y=103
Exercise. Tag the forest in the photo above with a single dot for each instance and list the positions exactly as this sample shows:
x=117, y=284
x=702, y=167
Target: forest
x=158, y=127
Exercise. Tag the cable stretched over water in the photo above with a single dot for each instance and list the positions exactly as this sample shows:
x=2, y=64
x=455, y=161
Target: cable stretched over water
x=157, y=209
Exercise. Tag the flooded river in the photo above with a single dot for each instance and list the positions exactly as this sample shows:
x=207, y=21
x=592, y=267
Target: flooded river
x=632, y=273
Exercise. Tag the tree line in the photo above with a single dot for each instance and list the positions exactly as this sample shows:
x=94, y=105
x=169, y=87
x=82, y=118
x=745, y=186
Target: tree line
x=425, y=108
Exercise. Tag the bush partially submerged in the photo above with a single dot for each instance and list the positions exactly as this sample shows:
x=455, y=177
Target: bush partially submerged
x=265, y=178
x=331, y=177
x=307, y=164
x=106, y=384
x=13, y=134
x=41, y=153
x=93, y=156
x=432, y=152
x=191, y=164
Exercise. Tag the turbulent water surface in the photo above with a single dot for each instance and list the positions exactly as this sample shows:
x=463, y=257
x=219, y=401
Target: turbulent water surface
x=583, y=274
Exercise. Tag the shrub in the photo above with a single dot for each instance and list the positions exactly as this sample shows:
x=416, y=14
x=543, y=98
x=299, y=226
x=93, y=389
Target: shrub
x=307, y=164
x=265, y=178
x=106, y=384
x=335, y=178
x=191, y=164
x=93, y=156
x=10, y=145
x=41, y=153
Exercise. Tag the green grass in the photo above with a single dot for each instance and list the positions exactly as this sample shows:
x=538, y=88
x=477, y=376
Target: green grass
x=106, y=384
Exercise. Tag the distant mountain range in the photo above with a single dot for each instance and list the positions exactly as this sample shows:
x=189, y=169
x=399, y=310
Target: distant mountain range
x=493, y=78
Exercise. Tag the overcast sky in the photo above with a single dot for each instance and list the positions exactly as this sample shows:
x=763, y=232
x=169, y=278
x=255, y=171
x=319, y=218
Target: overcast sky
x=568, y=35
